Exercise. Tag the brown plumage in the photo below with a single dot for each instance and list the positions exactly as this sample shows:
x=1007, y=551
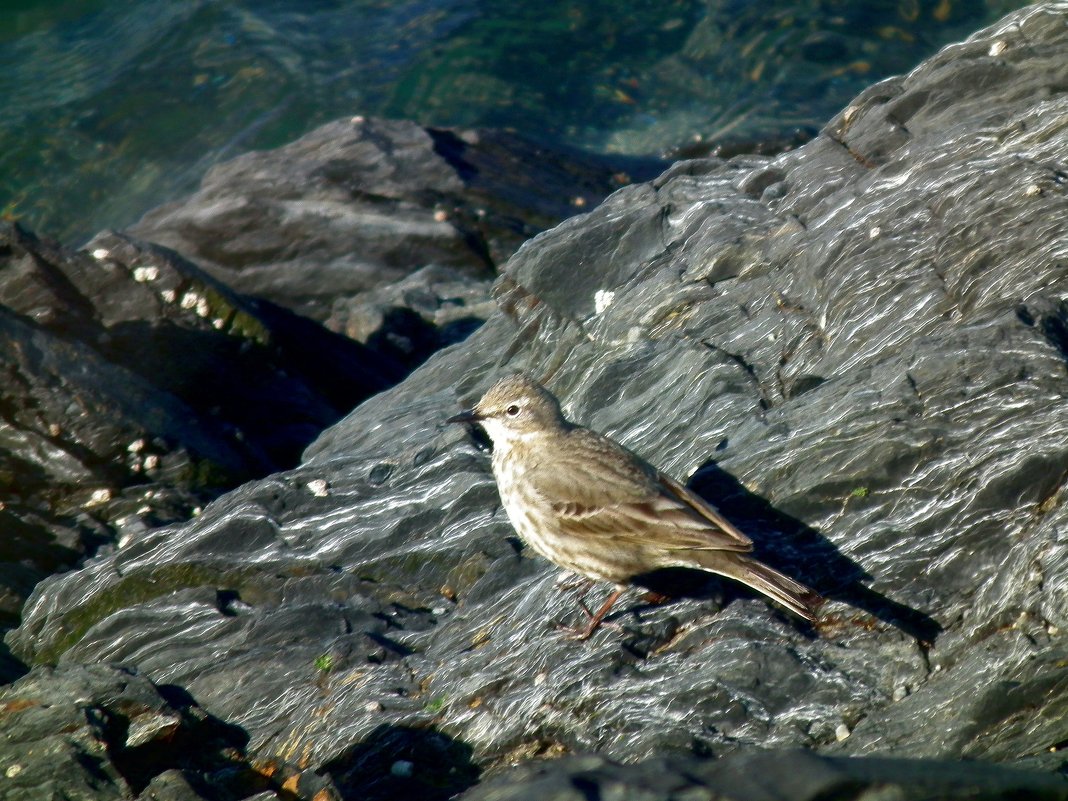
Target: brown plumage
x=591, y=506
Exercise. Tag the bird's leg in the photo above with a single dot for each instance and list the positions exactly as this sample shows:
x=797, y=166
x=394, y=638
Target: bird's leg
x=595, y=618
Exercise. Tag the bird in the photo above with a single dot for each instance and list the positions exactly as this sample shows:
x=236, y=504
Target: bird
x=591, y=506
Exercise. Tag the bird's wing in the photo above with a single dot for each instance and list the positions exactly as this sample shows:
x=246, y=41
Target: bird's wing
x=707, y=511
x=604, y=489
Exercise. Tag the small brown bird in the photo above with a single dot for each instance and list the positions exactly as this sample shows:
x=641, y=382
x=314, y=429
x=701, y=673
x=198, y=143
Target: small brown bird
x=592, y=507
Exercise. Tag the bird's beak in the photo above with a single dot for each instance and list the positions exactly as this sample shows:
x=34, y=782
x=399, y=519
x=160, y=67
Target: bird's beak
x=470, y=416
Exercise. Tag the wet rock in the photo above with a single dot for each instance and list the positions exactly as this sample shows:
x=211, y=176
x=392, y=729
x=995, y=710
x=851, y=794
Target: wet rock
x=359, y=204
x=136, y=388
x=855, y=349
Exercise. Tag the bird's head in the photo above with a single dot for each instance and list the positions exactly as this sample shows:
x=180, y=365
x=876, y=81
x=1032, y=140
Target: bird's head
x=514, y=409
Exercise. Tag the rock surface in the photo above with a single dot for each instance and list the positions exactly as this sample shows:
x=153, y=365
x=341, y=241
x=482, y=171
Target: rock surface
x=857, y=350
x=418, y=315
x=136, y=388
x=102, y=732
x=359, y=204
x=752, y=776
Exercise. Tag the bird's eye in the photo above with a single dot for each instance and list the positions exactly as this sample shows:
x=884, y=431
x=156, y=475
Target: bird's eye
x=512, y=410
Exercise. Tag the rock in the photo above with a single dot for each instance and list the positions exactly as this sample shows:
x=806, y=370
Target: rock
x=417, y=316
x=99, y=732
x=358, y=204
x=136, y=388
x=744, y=777
x=855, y=349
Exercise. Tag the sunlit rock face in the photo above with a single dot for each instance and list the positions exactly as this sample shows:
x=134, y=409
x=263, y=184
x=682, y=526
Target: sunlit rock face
x=857, y=350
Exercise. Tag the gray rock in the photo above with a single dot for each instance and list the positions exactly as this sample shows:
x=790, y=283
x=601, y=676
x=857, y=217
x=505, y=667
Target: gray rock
x=136, y=388
x=753, y=776
x=418, y=315
x=101, y=731
x=857, y=350
x=358, y=204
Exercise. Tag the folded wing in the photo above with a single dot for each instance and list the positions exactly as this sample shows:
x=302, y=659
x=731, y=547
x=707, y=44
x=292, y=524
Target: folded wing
x=610, y=491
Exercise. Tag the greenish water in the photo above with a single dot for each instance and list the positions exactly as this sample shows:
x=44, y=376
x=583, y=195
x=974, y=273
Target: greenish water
x=112, y=108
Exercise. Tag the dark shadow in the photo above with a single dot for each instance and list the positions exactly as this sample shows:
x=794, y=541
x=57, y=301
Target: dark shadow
x=279, y=394
x=11, y=667
x=795, y=549
x=207, y=751
x=403, y=763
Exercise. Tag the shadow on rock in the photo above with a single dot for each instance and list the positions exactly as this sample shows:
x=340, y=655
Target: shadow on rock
x=11, y=667
x=395, y=762
x=818, y=562
x=788, y=545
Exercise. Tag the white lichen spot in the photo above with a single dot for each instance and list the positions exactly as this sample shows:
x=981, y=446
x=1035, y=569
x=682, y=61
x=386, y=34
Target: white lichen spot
x=874, y=232
x=373, y=706
x=1051, y=630
x=901, y=692
x=147, y=273
x=402, y=768
x=218, y=323
x=189, y=300
x=151, y=462
x=100, y=496
x=578, y=202
x=841, y=732
x=101, y=253
x=602, y=299
x=168, y=295
x=540, y=679
x=359, y=119
x=319, y=488
x=203, y=309
x=440, y=216
x=13, y=771
x=1033, y=190
x=143, y=510
x=998, y=47
x=54, y=430
x=3, y=506
x=136, y=446
x=196, y=511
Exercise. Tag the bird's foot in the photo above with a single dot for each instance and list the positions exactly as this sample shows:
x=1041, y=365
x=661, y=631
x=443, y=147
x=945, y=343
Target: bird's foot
x=656, y=598
x=596, y=619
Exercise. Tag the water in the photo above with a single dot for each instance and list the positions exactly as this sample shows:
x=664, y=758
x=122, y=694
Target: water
x=110, y=108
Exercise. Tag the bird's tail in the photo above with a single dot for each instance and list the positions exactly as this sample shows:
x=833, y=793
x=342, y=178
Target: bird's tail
x=795, y=596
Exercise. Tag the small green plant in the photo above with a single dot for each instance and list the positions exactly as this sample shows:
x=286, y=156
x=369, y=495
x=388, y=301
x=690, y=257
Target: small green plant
x=860, y=492
x=435, y=705
x=324, y=662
